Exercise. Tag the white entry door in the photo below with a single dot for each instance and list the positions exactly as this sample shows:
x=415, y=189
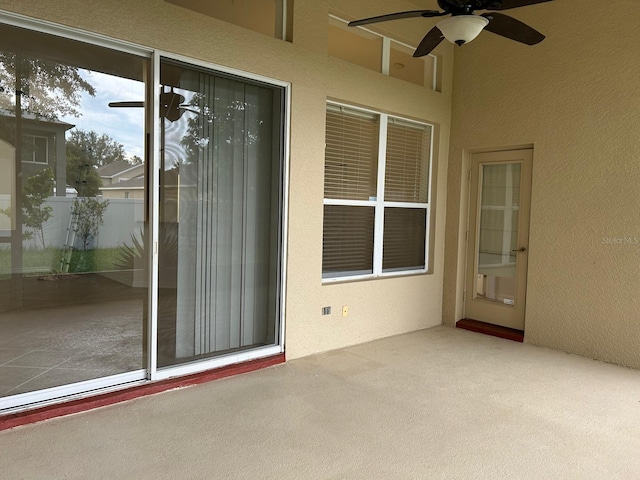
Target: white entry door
x=497, y=250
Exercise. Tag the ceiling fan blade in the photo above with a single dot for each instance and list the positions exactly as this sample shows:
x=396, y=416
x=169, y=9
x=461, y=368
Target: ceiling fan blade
x=507, y=4
x=511, y=28
x=430, y=41
x=397, y=16
x=126, y=104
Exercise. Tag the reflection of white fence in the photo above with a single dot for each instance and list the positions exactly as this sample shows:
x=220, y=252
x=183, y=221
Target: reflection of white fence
x=121, y=218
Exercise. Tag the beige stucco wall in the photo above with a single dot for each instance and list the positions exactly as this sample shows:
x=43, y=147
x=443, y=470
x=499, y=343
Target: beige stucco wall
x=575, y=98
x=376, y=308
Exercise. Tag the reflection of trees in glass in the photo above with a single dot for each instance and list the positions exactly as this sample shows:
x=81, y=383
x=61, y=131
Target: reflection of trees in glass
x=222, y=118
x=46, y=89
x=37, y=188
x=87, y=150
x=100, y=149
x=89, y=213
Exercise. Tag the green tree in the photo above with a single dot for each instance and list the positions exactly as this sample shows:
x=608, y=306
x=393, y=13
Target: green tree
x=37, y=188
x=81, y=173
x=232, y=125
x=89, y=214
x=46, y=89
x=98, y=149
x=87, y=150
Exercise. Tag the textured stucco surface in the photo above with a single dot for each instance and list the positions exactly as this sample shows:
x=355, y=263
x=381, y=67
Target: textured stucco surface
x=574, y=97
x=468, y=407
x=377, y=308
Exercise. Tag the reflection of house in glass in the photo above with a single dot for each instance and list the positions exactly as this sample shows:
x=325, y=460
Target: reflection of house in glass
x=64, y=284
x=122, y=180
x=43, y=145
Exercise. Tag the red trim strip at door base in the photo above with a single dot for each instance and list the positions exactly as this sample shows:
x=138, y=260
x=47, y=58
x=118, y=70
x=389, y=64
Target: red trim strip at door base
x=489, y=329
x=89, y=403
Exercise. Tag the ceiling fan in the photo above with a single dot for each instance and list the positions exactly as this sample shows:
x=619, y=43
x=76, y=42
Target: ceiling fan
x=171, y=105
x=463, y=26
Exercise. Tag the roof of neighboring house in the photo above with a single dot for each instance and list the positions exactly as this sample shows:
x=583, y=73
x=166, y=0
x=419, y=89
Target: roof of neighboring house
x=131, y=184
x=31, y=117
x=116, y=168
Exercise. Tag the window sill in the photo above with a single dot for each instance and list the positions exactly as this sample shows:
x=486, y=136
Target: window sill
x=382, y=276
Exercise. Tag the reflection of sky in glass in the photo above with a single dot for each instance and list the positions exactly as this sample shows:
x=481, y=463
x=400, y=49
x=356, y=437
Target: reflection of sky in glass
x=124, y=125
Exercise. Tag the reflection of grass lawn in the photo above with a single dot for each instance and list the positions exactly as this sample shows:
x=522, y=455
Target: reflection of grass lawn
x=47, y=260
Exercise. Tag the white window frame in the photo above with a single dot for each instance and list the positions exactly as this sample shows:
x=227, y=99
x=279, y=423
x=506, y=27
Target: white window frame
x=379, y=203
x=386, y=51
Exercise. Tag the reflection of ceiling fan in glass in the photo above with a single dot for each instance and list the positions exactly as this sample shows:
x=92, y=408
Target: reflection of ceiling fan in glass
x=171, y=105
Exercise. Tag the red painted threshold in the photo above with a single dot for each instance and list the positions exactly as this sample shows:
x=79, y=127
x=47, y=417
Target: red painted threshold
x=89, y=403
x=489, y=329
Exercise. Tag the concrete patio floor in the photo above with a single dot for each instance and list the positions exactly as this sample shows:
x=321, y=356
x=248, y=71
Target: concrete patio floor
x=436, y=404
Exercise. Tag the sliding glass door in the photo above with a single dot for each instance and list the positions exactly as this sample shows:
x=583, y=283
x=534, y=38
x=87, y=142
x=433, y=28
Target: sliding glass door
x=110, y=187
x=72, y=195
x=220, y=222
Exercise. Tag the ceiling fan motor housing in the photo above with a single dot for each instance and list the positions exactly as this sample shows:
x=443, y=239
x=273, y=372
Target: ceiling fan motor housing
x=460, y=29
x=466, y=7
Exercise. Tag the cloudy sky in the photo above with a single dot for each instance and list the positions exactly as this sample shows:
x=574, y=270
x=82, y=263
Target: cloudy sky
x=124, y=125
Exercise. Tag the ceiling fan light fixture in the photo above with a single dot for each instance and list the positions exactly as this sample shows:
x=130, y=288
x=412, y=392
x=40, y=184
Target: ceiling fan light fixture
x=461, y=29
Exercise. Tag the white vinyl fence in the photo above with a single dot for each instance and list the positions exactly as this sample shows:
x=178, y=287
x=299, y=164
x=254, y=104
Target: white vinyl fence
x=121, y=218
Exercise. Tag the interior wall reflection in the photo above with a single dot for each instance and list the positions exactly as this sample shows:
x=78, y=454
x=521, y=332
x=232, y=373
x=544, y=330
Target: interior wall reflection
x=498, y=232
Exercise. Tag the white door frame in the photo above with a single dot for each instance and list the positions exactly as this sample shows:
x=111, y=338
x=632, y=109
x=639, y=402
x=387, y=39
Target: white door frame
x=463, y=219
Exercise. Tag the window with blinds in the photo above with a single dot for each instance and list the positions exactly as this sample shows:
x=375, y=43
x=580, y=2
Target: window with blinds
x=376, y=194
x=351, y=155
x=407, y=165
x=347, y=247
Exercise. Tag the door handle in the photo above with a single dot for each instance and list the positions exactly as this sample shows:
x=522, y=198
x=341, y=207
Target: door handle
x=520, y=250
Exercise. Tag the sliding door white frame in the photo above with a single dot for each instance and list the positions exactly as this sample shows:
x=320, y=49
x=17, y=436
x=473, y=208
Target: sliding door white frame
x=100, y=385
x=156, y=373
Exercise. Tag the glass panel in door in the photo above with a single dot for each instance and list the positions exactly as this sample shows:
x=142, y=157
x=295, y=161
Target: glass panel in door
x=72, y=196
x=498, y=232
x=219, y=234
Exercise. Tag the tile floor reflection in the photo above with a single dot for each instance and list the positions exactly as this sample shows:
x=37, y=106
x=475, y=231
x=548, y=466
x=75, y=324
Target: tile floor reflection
x=44, y=347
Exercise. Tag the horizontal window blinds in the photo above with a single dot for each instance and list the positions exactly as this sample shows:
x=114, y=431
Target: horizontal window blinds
x=354, y=244
x=404, y=239
x=347, y=243
x=351, y=154
x=407, y=168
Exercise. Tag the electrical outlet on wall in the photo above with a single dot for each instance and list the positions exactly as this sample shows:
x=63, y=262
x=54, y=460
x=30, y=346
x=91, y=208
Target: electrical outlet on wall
x=326, y=310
